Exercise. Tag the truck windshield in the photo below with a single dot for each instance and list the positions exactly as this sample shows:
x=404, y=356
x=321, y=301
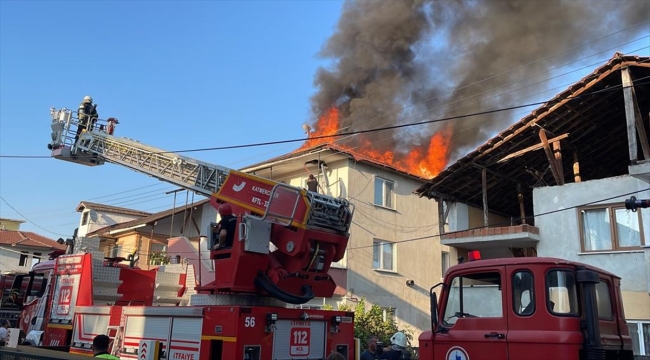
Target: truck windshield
x=561, y=294
x=474, y=295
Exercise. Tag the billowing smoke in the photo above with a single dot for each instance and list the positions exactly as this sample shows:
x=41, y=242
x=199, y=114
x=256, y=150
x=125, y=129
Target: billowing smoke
x=403, y=61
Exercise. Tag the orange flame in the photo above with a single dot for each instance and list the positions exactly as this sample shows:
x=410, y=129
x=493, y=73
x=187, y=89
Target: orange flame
x=327, y=124
x=422, y=162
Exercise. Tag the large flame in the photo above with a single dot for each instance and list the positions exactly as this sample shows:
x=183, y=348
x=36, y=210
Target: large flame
x=424, y=162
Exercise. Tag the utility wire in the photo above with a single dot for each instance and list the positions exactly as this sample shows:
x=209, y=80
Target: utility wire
x=530, y=217
x=392, y=127
x=33, y=223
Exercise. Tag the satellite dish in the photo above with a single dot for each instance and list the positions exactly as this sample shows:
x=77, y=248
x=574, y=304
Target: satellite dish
x=93, y=215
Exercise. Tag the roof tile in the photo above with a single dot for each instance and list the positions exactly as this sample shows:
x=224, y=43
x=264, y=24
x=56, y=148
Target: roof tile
x=28, y=239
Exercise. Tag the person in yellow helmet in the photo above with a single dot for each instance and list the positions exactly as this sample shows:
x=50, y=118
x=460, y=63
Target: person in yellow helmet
x=100, y=348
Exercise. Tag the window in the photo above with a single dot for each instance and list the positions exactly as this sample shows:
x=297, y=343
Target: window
x=389, y=314
x=84, y=218
x=610, y=228
x=36, y=259
x=383, y=255
x=444, y=262
x=523, y=293
x=384, y=192
x=561, y=292
x=115, y=251
x=640, y=334
x=603, y=301
x=156, y=247
x=481, y=297
x=24, y=255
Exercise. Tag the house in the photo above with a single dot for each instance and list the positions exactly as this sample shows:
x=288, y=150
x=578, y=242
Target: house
x=95, y=216
x=10, y=224
x=383, y=263
x=147, y=236
x=555, y=183
x=20, y=250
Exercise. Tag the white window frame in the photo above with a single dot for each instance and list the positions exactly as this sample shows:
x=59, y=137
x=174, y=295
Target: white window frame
x=23, y=259
x=639, y=324
x=389, y=313
x=36, y=258
x=84, y=218
x=378, y=244
x=383, y=193
x=445, y=262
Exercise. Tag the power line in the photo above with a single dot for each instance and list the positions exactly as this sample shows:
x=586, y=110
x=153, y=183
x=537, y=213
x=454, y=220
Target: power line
x=33, y=223
x=520, y=218
x=474, y=228
x=392, y=127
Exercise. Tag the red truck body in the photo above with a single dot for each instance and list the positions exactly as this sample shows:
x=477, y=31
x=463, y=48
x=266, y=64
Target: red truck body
x=527, y=309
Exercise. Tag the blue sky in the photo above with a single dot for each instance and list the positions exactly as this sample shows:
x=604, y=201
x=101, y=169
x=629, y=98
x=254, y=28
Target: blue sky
x=178, y=75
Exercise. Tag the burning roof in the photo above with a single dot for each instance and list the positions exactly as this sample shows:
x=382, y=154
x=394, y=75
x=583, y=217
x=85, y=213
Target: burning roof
x=593, y=129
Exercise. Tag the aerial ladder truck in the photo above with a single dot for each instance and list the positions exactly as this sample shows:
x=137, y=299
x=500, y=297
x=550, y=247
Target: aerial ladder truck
x=243, y=313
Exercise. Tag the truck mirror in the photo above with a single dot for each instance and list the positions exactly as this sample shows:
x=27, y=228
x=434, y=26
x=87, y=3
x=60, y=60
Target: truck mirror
x=434, y=311
x=433, y=304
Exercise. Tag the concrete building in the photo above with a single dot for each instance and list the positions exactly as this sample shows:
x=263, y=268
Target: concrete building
x=20, y=250
x=10, y=224
x=554, y=184
x=381, y=257
x=147, y=237
x=96, y=216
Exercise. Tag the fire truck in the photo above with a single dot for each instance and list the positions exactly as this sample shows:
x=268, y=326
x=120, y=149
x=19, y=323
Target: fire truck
x=19, y=288
x=285, y=241
x=526, y=309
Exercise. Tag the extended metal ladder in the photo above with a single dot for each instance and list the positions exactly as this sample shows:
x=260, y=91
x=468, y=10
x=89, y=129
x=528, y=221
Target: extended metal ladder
x=96, y=146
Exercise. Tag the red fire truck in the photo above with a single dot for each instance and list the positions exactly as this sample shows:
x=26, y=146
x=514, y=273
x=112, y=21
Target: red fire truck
x=526, y=309
x=15, y=289
x=243, y=313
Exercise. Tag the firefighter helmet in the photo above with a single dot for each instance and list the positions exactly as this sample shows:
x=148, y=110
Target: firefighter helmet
x=225, y=210
x=398, y=339
x=88, y=99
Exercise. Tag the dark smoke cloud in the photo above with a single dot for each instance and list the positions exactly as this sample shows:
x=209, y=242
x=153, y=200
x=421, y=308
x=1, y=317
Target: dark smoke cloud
x=433, y=55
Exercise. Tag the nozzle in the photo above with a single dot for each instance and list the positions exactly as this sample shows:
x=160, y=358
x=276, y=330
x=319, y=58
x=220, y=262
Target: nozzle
x=633, y=203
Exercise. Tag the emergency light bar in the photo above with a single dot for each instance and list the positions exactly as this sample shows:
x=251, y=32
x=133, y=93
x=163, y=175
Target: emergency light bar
x=474, y=255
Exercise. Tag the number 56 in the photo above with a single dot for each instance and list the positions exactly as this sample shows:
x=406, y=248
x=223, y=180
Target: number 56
x=249, y=321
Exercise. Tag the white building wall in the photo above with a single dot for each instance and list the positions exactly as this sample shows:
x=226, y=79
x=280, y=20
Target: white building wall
x=97, y=220
x=560, y=234
x=10, y=258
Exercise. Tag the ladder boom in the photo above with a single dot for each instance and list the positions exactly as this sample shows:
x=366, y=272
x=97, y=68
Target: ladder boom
x=188, y=173
x=96, y=146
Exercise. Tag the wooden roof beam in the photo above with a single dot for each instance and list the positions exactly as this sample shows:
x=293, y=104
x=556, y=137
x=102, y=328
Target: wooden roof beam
x=550, y=157
x=633, y=115
x=532, y=148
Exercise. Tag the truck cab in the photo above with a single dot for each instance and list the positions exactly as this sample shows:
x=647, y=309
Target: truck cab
x=526, y=309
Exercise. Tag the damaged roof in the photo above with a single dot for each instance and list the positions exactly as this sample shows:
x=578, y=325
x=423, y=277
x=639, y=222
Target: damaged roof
x=589, y=117
x=324, y=147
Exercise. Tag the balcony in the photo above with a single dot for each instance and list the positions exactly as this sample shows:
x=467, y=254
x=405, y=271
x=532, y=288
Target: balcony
x=641, y=170
x=519, y=236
